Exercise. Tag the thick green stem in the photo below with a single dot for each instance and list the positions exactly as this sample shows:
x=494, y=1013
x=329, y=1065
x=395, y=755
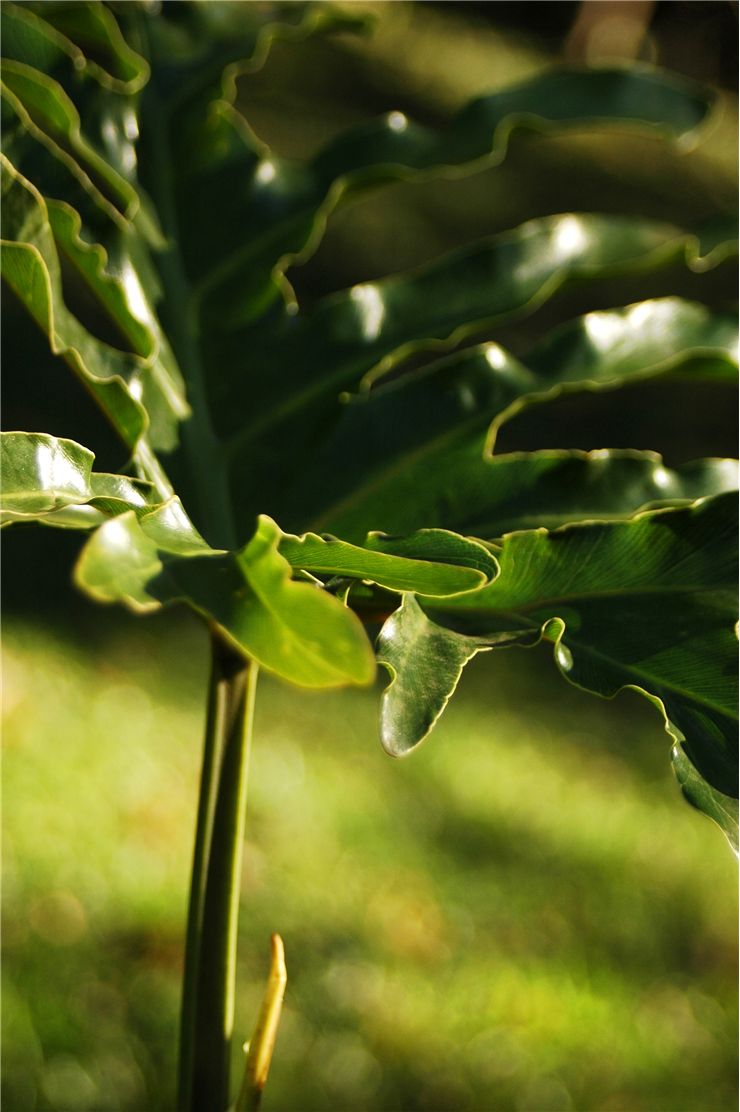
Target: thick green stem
x=207, y=469
x=210, y=957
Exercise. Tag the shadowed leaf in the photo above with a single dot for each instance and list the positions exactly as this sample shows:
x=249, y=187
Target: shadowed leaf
x=647, y=604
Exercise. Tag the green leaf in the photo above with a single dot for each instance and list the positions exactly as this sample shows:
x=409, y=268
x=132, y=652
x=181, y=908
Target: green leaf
x=54, y=171
x=647, y=604
x=430, y=562
x=87, y=102
x=49, y=44
x=290, y=202
x=425, y=661
x=723, y=809
x=132, y=177
x=119, y=380
x=42, y=473
x=209, y=174
x=356, y=438
x=31, y=268
x=52, y=110
x=293, y=629
x=50, y=480
x=147, y=552
x=123, y=279
x=471, y=492
x=414, y=432
x=555, y=100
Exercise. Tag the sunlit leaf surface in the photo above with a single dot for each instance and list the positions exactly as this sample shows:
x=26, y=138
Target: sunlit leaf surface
x=363, y=426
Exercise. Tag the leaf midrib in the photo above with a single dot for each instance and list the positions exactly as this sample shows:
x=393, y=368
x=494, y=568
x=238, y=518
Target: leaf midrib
x=570, y=640
x=565, y=600
x=643, y=677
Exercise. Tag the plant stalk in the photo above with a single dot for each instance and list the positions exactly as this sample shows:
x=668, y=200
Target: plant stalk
x=259, y=1049
x=212, y=511
x=210, y=951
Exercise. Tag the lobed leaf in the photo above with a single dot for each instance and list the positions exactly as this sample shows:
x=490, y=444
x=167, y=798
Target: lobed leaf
x=413, y=432
x=425, y=662
x=294, y=629
x=182, y=235
x=648, y=603
x=431, y=562
x=290, y=202
x=209, y=174
x=121, y=381
x=86, y=102
x=54, y=112
x=50, y=480
x=146, y=552
x=466, y=490
x=49, y=44
x=382, y=430
x=723, y=809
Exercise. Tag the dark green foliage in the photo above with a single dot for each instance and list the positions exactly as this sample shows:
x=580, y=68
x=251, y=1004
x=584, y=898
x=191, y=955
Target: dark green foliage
x=127, y=164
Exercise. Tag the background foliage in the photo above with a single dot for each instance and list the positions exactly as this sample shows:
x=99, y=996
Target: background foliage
x=419, y=879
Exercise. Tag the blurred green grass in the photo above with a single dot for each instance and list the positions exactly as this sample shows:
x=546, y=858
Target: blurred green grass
x=523, y=915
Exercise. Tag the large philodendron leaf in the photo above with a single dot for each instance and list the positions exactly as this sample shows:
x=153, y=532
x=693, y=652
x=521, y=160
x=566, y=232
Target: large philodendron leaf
x=70, y=119
x=414, y=433
x=375, y=325
x=648, y=604
x=135, y=190
x=271, y=373
x=216, y=155
x=198, y=301
x=471, y=492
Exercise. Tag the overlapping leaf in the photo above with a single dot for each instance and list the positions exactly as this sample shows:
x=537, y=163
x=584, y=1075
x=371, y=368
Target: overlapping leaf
x=430, y=562
x=485, y=496
x=648, y=603
x=198, y=158
x=294, y=629
x=130, y=170
x=375, y=325
x=50, y=480
x=411, y=436
x=146, y=553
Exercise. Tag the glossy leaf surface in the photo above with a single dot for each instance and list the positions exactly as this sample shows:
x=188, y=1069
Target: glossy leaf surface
x=480, y=495
x=130, y=174
x=144, y=554
x=648, y=603
x=208, y=175
x=293, y=629
x=431, y=562
x=425, y=661
x=720, y=807
x=414, y=434
x=50, y=480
